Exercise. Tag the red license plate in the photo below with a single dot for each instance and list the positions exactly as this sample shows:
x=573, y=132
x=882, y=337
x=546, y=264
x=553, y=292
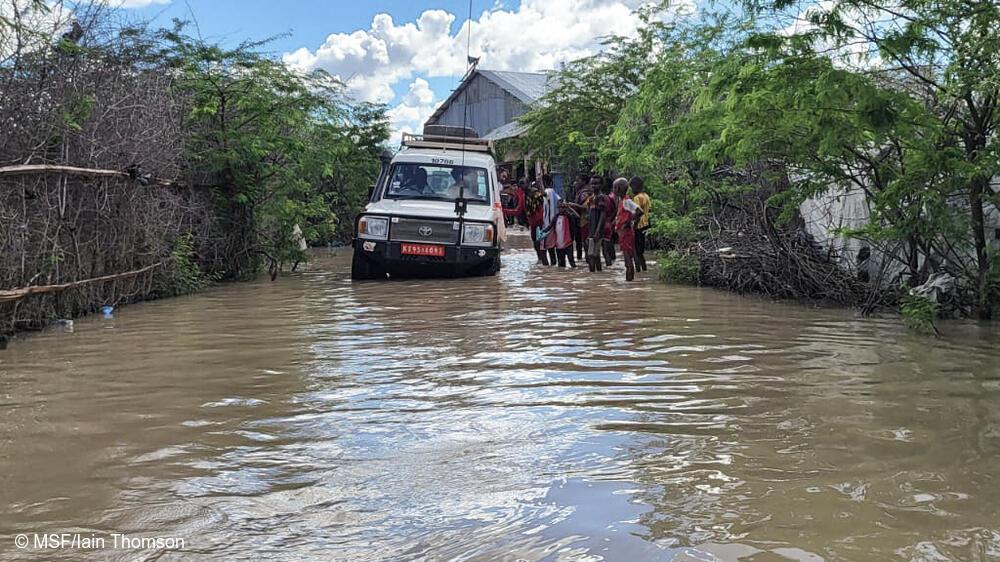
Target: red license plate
x=422, y=250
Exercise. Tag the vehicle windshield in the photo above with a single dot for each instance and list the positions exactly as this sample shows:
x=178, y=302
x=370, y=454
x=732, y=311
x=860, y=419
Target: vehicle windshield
x=438, y=182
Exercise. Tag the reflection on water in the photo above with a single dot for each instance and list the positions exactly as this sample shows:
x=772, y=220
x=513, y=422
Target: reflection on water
x=538, y=415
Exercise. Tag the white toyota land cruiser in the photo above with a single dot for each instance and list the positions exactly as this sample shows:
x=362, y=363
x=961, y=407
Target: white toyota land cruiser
x=435, y=210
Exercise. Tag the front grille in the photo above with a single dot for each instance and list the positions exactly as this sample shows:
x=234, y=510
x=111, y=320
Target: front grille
x=409, y=230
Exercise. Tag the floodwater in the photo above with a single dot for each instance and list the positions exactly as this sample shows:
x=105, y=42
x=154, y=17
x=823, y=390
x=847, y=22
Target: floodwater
x=538, y=415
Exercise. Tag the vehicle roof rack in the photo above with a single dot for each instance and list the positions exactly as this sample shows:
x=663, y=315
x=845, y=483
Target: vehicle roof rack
x=475, y=144
x=437, y=130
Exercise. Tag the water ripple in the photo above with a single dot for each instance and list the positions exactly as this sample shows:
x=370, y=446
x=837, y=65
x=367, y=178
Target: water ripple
x=540, y=415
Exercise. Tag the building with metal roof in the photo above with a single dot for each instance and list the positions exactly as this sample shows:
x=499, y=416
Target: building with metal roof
x=495, y=99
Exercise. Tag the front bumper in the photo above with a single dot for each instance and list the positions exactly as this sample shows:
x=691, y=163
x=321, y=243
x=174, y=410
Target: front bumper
x=456, y=260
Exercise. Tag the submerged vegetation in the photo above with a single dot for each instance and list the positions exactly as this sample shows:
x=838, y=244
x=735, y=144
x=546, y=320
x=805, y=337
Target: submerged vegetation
x=736, y=119
x=157, y=162
x=919, y=312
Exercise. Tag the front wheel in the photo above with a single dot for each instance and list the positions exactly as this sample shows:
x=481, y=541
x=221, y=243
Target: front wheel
x=364, y=269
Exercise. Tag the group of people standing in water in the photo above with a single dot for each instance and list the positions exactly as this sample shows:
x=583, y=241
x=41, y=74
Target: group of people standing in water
x=585, y=222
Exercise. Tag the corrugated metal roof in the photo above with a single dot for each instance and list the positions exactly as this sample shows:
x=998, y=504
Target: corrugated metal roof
x=507, y=131
x=525, y=86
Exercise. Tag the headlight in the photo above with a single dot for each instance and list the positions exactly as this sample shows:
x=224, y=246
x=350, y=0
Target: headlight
x=478, y=234
x=376, y=228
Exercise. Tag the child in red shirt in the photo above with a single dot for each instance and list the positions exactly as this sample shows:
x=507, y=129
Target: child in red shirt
x=512, y=203
x=627, y=215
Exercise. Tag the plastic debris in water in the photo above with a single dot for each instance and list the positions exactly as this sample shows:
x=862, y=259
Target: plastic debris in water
x=108, y=311
x=65, y=323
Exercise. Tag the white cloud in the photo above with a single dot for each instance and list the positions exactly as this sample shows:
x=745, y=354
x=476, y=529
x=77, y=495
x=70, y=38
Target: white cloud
x=417, y=105
x=419, y=93
x=537, y=35
x=371, y=61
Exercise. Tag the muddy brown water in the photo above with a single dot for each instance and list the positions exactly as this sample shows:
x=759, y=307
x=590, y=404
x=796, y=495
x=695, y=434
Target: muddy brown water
x=538, y=415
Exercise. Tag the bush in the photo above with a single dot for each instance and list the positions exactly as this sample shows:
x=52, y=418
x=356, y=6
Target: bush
x=674, y=231
x=183, y=275
x=919, y=313
x=676, y=267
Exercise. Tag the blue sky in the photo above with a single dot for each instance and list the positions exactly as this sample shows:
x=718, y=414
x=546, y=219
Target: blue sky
x=304, y=23
x=307, y=22
x=407, y=54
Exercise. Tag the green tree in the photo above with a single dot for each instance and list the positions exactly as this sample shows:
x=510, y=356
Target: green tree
x=274, y=144
x=572, y=123
x=920, y=83
x=663, y=128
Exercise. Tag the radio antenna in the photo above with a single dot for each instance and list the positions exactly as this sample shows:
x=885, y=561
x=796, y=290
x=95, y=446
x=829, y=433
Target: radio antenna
x=460, y=203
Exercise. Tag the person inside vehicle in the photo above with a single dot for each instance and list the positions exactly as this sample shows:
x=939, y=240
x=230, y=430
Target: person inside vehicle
x=466, y=178
x=418, y=182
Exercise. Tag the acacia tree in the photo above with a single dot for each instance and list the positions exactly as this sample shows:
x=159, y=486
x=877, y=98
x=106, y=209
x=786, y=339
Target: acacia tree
x=572, y=123
x=267, y=140
x=912, y=91
x=833, y=128
x=344, y=155
x=153, y=152
x=663, y=128
x=638, y=107
x=896, y=100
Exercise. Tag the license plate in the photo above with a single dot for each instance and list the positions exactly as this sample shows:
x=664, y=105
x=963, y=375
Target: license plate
x=422, y=250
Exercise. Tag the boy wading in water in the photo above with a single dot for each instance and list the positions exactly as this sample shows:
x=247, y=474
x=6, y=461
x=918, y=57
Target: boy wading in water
x=641, y=199
x=581, y=194
x=610, y=204
x=626, y=218
x=598, y=224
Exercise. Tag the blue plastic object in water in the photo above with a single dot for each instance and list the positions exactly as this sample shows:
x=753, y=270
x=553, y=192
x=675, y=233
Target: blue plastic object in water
x=108, y=311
